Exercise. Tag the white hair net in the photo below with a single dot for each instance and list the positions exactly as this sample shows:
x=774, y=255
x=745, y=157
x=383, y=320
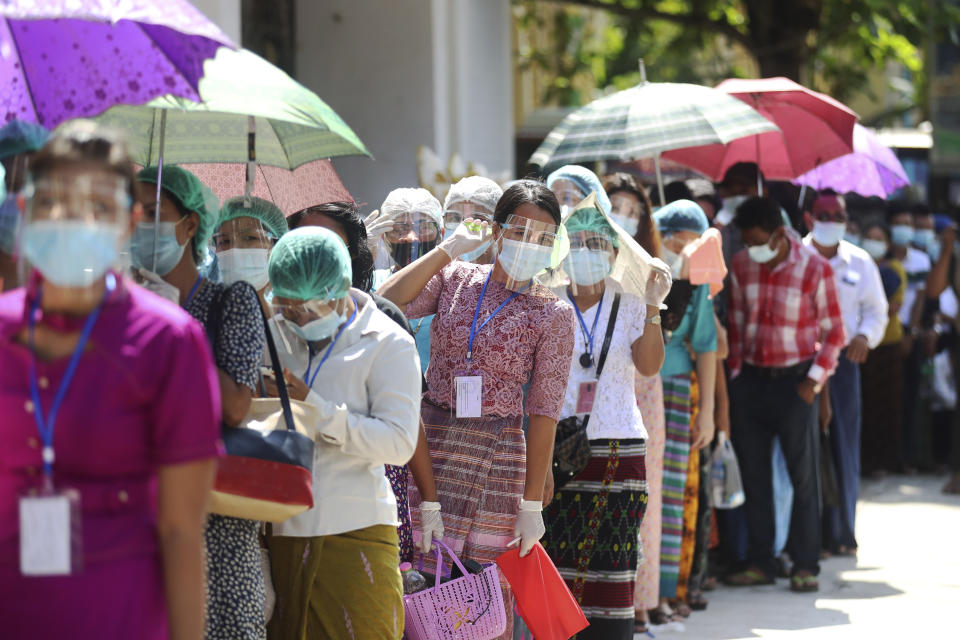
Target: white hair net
x=404, y=201
x=476, y=189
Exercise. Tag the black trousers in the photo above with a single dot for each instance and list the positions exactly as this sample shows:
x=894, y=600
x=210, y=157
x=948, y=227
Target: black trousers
x=763, y=408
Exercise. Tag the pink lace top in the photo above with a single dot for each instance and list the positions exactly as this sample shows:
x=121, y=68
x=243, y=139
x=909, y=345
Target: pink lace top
x=531, y=339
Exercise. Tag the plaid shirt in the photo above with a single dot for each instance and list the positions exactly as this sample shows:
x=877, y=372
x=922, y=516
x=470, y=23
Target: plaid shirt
x=783, y=316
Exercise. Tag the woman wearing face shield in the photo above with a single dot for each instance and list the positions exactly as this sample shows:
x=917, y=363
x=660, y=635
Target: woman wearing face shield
x=600, y=560
x=496, y=328
x=232, y=318
x=96, y=444
x=246, y=232
x=632, y=211
x=680, y=223
x=409, y=224
x=335, y=566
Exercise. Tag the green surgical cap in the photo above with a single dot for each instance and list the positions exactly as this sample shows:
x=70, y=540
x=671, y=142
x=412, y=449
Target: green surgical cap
x=263, y=210
x=310, y=263
x=588, y=217
x=18, y=137
x=192, y=195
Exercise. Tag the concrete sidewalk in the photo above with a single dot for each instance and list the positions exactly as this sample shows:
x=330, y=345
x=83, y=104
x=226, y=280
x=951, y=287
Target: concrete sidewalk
x=905, y=584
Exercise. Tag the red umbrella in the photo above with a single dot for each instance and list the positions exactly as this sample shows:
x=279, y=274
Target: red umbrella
x=814, y=128
x=306, y=186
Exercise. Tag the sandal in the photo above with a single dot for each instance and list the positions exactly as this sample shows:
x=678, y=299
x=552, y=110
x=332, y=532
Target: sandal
x=660, y=617
x=696, y=601
x=752, y=577
x=843, y=551
x=804, y=582
x=680, y=608
x=710, y=584
x=640, y=626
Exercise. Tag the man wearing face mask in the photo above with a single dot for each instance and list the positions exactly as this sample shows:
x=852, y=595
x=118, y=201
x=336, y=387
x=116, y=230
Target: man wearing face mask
x=786, y=333
x=18, y=142
x=864, y=307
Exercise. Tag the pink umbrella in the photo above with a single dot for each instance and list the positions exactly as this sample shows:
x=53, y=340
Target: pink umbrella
x=814, y=128
x=871, y=170
x=306, y=186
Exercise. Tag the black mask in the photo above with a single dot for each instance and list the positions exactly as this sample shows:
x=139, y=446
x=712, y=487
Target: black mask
x=403, y=253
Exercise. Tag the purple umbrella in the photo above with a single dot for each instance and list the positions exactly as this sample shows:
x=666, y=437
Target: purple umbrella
x=62, y=59
x=871, y=170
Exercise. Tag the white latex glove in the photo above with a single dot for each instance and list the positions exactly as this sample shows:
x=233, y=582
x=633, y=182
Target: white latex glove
x=156, y=284
x=431, y=525
x=658, y=283
x=270, y=599
x=529, y=527
x=376, y=227
x=470, y=234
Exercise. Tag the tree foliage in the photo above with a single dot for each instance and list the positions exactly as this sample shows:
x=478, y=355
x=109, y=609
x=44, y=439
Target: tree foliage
x=832, y=45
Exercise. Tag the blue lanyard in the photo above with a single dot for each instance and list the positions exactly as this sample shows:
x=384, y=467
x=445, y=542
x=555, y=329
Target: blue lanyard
x=474, y=330
x=306, y=377
x=588, y=335
x=46, y=426
x=193, y=290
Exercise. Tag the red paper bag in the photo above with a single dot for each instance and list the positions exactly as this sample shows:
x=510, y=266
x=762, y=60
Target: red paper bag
x=544, y=601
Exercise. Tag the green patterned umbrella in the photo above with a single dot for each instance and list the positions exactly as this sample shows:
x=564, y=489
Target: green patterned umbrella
x=241, y=93
x=646, y=120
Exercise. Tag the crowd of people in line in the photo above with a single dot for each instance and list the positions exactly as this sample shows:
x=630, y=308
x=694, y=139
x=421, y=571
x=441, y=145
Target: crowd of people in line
x=444, y=349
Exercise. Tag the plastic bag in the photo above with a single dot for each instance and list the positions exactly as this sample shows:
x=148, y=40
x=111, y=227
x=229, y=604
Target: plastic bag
x=543, y=599
x=726, y=486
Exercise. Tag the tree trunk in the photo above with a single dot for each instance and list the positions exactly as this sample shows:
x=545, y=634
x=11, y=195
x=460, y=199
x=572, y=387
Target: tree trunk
x=779, y=33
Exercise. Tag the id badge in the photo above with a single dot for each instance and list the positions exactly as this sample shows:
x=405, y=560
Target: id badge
x=468, y=391
x=50, y=537
x=586, y=393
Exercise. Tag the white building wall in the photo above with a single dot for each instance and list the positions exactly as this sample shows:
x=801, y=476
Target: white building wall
x=406, y=73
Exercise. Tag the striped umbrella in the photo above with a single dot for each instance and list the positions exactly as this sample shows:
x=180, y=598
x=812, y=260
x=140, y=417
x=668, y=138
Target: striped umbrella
x=647, y=120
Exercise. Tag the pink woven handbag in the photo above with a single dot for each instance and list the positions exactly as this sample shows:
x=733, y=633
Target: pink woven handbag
x=468, y=608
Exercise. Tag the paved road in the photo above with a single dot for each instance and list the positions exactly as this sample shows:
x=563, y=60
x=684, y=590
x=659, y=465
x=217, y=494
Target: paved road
x=904, y=585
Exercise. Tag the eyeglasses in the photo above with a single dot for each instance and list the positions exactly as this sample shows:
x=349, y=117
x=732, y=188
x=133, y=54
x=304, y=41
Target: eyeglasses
x=594, y=243
x=523, y=233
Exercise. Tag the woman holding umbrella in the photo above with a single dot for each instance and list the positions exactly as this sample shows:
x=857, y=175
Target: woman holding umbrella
x=232, y=318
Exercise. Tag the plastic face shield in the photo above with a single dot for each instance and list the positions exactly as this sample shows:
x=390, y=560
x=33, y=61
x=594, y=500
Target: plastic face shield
x=460, y=211
x=413, y=236
x=527, y=248
x=568, y=194
x=296, y=319
x=74, y=225
x=589, y=262
x=243, y=247
x=626, y=205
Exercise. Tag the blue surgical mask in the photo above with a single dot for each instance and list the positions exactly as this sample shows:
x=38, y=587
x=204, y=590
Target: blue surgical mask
x=630, y=225
x=318, y=329
x=523, y=260
x=762, y=253
x=9, y=223
x=71, y=253
x=853, y=238
x=828, y=234
x=925, y=238
x=587, y=267
x=876, y=248
x=169, y=251
x=901, y=234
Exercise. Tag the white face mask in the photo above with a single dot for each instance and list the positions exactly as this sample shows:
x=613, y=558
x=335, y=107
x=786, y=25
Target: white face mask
x=673, y=260
x=828, y=234
x=523, y=260
x=762, y=253
x=725, y=215
x=249, y=265
x=630, y=225
x=876, y=248
x=587, y=267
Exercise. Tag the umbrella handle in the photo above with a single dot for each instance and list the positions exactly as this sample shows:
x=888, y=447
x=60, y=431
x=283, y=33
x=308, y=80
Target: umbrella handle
x=156, y=211
x=656, y=165
x=251, y=161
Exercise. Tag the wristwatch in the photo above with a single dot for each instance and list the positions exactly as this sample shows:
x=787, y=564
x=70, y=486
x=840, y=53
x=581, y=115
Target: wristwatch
x=654, y=319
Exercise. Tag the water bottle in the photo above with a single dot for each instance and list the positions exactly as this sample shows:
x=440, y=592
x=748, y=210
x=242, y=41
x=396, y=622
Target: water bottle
x=413, y=580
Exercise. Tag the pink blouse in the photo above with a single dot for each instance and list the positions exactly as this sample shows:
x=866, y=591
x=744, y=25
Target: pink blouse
x=530, y=339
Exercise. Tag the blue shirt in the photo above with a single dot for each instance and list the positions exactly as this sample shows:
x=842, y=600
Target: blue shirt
x=698, y=327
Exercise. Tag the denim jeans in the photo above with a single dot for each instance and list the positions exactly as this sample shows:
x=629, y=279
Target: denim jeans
x=762, y=409
x=845, y=440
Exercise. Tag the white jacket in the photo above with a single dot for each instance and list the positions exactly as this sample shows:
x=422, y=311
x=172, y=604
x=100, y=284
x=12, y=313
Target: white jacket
x=368, y=393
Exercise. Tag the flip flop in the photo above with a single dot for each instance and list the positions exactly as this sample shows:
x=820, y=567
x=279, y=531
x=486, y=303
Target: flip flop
x=804, y=583
x=696, y=601
x=748, y=578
